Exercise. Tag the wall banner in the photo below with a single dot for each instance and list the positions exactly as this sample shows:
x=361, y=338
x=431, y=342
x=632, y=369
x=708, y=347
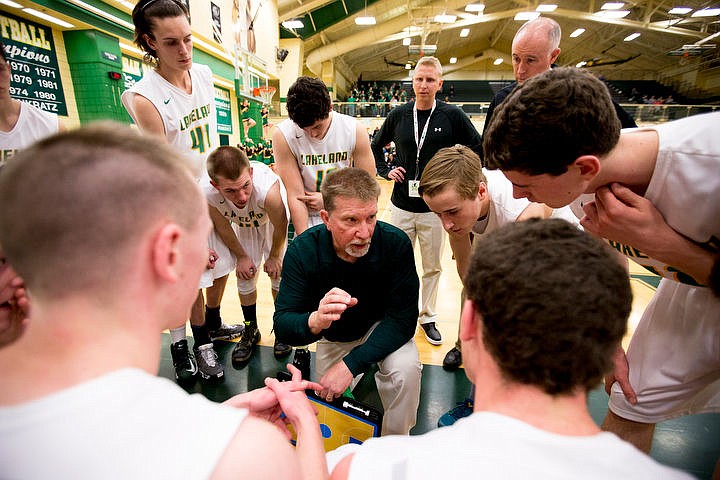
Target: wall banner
x=31, y=53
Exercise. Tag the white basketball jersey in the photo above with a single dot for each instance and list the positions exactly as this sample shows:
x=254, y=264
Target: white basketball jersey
x=189, y=119
x=317, y=157
x=253, y=214
x=33, y=124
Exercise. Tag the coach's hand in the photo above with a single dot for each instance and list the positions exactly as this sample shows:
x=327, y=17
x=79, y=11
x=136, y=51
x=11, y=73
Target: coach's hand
x=335, y=381
x=331, y=307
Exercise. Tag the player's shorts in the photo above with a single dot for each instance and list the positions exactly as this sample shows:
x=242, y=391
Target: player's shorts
x=224, y=264
x=257, y=242
x=674, y=356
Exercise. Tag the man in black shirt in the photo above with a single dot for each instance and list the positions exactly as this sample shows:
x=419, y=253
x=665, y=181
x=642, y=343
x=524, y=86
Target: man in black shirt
x=419, y=129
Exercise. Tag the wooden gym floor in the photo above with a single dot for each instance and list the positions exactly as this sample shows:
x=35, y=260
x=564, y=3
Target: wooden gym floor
x=691, y=443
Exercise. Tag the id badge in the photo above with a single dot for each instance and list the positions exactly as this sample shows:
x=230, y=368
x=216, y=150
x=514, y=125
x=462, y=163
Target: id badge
x=414, y=186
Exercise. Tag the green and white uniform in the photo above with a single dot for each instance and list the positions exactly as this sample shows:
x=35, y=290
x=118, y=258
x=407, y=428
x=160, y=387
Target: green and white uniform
x=316, y=157
x=190, y=123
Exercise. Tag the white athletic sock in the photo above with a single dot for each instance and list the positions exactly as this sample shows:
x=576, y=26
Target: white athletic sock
x=177, y=334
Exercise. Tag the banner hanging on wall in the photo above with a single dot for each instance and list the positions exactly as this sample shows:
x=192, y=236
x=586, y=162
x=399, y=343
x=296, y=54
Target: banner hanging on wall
x=31, y=53
x=222, y=106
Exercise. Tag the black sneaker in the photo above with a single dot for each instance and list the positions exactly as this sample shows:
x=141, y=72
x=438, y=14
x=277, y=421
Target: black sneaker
x=244, y=348
x=186, y=368
x=301, y=361
x=432, y=334
x=210, y=368
x=452, y=360
x=226, y=332
x=281, y=350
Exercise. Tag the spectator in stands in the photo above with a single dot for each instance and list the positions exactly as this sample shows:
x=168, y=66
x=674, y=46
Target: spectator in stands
x=109, y=271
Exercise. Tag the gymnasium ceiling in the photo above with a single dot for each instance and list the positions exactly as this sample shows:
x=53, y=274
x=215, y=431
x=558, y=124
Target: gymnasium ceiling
x=377, y=51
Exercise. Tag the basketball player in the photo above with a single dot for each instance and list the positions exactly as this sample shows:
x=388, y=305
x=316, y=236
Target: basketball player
x=175, y=102
x=471, y=202
x=253, y=199
x=86, y=401
x=308, y=145
x=647, y=193
x=534, y=344
x=312, y=142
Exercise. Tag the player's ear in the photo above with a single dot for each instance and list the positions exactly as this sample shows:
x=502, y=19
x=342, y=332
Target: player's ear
x=469, y=322
x=150, y=41
x=482, y=191
x=165, y=251
x=588, y=166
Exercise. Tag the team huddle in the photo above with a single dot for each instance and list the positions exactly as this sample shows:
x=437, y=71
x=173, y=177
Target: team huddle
x=111, y=235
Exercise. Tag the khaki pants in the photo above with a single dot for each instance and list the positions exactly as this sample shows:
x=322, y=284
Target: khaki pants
x=427, y=228
x=397, y=380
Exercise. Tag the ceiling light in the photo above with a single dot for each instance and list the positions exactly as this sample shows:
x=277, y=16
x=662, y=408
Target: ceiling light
x=407, y=41
x=10, y=4
x=408, y=66
x=453, y=59
x=577, y=33
x=498, y=61
x=680, y=10
x=581, y=64
x=365, y=20
x=475, y=7
x=293, y=24
x=612, y=6
x=464, y=32
x=525, y=16
x=631, y=37
x=612, y=13
x=47, y=17
x=706, y=12
x=548, y=7
x=445, y=18
x=126, y=4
